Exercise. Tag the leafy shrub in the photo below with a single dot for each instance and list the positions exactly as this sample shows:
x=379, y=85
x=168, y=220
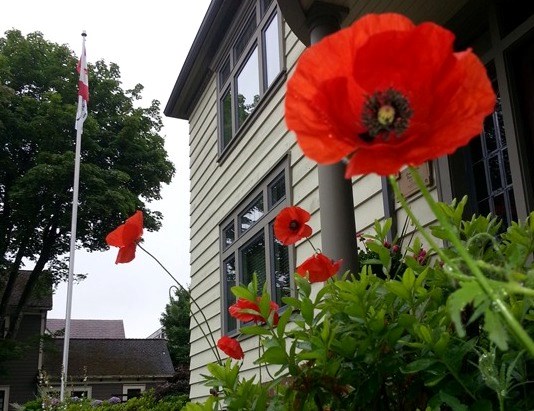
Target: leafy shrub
x=404, y=334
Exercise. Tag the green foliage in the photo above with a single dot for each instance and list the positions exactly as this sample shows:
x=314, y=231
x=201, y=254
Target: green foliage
x=146, y=402
x=175, y=322
x=414, y=335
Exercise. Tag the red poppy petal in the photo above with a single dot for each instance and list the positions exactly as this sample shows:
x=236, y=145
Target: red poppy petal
x=327, y=125
x=230, y=347
x=131, y=233
x=126, y=254
x=306, y=231
x=115, y=238
x=388, y=59
x=136, y=220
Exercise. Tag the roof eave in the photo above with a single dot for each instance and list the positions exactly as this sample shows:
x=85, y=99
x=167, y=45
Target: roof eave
x=195, y=70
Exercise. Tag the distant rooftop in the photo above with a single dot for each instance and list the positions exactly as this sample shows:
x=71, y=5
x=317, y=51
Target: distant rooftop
x=111, y=358
x=88, y=329
x=41, y=296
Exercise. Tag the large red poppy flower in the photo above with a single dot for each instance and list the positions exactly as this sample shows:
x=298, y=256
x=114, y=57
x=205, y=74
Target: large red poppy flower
x=318, y=268
x=290, y=225
x=231, y=347
x=126, y=236
x=242, y=311
x=386, y=93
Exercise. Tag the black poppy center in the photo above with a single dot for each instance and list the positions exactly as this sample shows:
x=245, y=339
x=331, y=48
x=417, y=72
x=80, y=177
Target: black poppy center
x=385, y=114
x=294, y=225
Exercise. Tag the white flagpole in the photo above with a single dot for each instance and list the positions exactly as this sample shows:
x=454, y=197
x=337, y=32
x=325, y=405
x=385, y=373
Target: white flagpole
x=79, y=131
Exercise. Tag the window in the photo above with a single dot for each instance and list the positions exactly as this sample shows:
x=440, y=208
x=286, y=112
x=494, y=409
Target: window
x=249, y=68
x=248, y=244
x=80, y=393
x=4, y=398
x=132, y=391
x=491, y=176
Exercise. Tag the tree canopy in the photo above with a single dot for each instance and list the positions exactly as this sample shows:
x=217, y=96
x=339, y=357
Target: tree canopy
x=123, y=159
x=175, y=322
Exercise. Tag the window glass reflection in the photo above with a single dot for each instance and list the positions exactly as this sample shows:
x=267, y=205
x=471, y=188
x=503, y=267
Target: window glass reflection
x=272, y=51
x=248, y=88
x=252, y=214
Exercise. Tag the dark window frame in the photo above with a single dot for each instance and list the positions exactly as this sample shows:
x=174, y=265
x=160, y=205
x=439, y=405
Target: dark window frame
x=495, y=47
x=262, y=227
x=227, y=80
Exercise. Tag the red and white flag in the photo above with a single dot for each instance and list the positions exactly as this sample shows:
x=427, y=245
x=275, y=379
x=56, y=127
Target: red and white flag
x=83, y=89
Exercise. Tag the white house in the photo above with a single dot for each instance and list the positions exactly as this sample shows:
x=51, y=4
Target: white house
x=245, y=165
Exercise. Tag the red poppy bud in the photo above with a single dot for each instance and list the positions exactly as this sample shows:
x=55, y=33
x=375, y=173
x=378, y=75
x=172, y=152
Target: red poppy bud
x=319, y=268
x=231, y=347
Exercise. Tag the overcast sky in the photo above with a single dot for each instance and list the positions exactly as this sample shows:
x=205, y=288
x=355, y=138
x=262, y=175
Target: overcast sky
x=149, y=40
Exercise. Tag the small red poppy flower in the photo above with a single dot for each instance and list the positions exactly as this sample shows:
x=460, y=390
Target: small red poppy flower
x=319, y=268
x=231, y=347
x=386, y=93
x=236, y=311
x=126, y=236
x=290, y=225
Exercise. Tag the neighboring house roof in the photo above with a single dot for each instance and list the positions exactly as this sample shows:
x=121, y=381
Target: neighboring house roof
x=41, y=297
x=87, y=328
x=110, y=358
x=196, y=67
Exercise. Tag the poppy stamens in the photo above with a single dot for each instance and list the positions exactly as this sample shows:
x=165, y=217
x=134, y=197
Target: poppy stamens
x=385, y=113
x=294, y=225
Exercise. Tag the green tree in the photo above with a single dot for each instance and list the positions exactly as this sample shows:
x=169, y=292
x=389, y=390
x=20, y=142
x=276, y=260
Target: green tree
x=123, y=160
x=175, y=322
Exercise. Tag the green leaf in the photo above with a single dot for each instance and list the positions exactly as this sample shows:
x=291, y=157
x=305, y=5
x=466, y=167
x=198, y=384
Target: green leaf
x=282, y=322
x=408, y=279
x=254, y=330
x=452, y=402
x=242, y=292
x=419, y=365
x=496, y=329
x=303, y=285
x=306, y=309
x=265, y=305
x=398, y=289
x=292, y=301
x=469, y=292
x=274, y=355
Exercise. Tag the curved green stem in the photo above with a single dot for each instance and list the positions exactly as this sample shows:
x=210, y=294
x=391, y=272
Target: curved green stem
x=515, y=327
x=214, y=346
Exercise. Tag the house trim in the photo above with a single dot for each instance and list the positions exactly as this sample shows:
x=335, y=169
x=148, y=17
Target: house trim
x=5, y=389
x=194, y=76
